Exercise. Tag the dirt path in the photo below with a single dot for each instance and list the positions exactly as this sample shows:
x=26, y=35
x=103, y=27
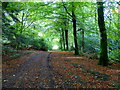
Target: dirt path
x=58, y=69
x=33, y=71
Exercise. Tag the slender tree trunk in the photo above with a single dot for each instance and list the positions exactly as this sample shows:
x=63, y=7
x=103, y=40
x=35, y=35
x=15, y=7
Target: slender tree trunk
x=75, y=37
x=61, y=43
x=74, y=26
x=66, y=37
x=82, y=47
x=63, y=39
x=96, y=19
x=66, y=32
x=103, y=41
x=74, y=31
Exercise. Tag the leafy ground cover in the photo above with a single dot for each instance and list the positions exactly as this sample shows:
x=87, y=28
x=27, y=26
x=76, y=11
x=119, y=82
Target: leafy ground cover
x=82, y=72
x=14, y=55
x=58, y=69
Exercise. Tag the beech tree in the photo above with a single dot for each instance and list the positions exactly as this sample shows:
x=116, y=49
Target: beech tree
x=73, y=16
x=103, y=36
x=41, y=25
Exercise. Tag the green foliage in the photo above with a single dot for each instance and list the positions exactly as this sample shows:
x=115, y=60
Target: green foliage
x=95, y=56
x=40, y=44
x=22, y=22
x=7, y=50
x=115, y=55
x=118, y=86
x=10, y=53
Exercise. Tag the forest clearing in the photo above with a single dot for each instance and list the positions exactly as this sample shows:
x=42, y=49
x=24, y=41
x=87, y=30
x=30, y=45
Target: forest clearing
x=52, y=44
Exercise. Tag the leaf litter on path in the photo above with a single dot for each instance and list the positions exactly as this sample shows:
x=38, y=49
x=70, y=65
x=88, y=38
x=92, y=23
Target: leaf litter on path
x=79, y=71
x=63, y=69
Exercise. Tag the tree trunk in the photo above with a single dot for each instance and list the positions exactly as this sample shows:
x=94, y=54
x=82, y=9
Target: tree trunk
x=96, y=20
x=61, y=43
x=103, y=41
x=66, y=37
x=82, y=47
x=74, y=30
x=63, y=39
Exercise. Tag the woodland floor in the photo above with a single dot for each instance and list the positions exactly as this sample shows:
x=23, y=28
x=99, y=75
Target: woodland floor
x=58, y=69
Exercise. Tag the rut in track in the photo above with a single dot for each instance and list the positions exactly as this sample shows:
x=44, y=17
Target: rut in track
x=34, y=72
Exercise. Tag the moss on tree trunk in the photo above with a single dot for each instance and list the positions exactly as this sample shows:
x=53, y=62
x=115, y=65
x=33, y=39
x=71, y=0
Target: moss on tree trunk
x=103, y=41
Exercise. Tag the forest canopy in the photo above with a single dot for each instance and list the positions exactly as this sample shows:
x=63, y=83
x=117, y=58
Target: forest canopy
x=67, y=26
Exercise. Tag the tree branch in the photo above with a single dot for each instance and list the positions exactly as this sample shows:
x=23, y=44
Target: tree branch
x=29, y=24
x=12, y=16
x=66, y=10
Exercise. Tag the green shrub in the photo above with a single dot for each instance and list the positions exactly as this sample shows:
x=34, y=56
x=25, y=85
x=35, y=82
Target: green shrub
x=40, y=44
x=7, y=50
x=114, y=55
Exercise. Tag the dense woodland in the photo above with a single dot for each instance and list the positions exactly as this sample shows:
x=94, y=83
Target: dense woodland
x=83, y=27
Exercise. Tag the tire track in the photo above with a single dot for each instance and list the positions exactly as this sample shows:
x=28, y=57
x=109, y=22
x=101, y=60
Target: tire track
x=34, y=72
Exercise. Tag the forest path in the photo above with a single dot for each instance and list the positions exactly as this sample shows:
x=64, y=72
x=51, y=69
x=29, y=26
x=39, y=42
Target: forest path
x=58, y=69
x=32, y=71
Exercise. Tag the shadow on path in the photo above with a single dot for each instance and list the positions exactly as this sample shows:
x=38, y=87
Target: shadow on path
x=33, y=73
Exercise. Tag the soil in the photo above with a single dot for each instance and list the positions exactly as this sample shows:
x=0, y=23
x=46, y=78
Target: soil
x=28, y=71
x=58, y=69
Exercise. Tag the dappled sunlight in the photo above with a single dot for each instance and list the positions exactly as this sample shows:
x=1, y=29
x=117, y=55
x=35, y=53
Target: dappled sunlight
x=75, y=68
x=40, y=34
x=53, y=44
x=55, y=47
x=74, y=57
x=56, y=39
